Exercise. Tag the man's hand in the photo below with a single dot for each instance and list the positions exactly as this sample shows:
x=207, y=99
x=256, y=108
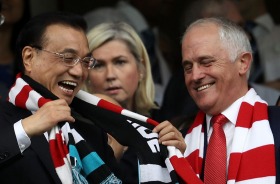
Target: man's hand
x=170, y=136
x=47, y=117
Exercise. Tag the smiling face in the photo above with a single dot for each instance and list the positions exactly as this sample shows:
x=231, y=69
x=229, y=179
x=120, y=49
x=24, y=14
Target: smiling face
x=116, y=73
x=49, y=70
x=212, y=79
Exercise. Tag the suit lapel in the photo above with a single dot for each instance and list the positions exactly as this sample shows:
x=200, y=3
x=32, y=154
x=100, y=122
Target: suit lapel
x=41, y=146
x=273, y=115
x=38, y=143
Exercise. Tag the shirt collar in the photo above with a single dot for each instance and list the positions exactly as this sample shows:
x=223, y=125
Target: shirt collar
x=230, y=113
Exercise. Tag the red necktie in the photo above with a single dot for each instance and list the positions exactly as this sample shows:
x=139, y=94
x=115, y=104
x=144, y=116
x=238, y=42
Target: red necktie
x=216, y=154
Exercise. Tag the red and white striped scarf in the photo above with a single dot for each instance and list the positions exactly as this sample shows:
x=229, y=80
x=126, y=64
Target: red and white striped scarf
x=23, y=96
x=252, y=158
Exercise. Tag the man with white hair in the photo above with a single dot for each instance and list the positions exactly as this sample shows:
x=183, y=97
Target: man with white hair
x=233, y=138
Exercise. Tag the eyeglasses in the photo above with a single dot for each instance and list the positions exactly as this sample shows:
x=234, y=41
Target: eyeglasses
x=71, y=59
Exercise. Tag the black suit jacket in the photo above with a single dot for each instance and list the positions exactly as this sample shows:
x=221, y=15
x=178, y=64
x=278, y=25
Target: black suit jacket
x=35, y=164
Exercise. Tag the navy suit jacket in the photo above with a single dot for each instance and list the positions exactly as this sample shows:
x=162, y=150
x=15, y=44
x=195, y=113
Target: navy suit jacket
x=274, y=120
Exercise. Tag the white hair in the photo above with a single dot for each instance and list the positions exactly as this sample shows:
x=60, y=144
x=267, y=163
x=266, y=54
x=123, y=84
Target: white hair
x=231, y=35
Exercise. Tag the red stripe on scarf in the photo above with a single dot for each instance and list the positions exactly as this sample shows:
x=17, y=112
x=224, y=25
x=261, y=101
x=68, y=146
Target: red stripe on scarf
x=257, y=158
x=245, y=114
x=58, y=150
x=196, y=161
x=152, y=122
x=42, y=101
x=186, y=173
x=22, y=97
x=197, y=121
x=261, y=114
x=106, y=105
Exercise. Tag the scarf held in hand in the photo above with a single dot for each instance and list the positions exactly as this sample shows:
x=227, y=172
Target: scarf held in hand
x=252, y=157
x=75, y=162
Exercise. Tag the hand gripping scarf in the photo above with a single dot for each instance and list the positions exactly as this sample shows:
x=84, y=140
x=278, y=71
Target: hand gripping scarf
x=75, y=162
x=252, y=158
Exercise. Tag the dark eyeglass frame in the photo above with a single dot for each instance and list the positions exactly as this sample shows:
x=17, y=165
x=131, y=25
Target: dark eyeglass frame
x=87, y=62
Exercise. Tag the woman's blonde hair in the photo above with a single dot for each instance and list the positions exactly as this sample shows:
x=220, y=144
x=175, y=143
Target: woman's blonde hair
x=105, y=32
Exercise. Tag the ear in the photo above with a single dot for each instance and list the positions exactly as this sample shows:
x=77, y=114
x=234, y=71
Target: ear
x=27, y=58
x=141, y=77
x=245, y=61
x=141, y=70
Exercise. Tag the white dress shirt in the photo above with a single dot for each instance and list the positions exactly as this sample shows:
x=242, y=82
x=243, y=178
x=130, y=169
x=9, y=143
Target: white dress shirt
x=231, y=114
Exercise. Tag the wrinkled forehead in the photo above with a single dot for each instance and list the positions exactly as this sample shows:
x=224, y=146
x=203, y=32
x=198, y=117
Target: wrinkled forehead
x=59, y=36
x=203, y=27
x=201, y=34
x=61, y=30
x=202, y=41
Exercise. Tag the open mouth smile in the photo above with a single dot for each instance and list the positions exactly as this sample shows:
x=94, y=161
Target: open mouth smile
x=201, y=88
x=67, y=86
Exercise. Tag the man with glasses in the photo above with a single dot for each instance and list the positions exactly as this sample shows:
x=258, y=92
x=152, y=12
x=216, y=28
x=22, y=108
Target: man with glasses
x=49, y=131
x=55, y=64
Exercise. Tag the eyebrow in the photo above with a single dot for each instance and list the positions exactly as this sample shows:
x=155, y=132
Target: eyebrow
x=198, y=59
x=70, y=50
x=185, y=62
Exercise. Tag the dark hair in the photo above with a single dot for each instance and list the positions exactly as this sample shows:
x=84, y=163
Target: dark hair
x=16, y=31
x=33, y=31
x=19, y=24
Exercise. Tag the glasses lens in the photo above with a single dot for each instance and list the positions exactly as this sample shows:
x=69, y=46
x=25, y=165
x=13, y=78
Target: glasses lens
x=70, y=59
x=88, y=62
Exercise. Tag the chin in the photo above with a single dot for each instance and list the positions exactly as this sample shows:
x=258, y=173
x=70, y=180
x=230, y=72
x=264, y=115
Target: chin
x=205, y=106
x=67, y=99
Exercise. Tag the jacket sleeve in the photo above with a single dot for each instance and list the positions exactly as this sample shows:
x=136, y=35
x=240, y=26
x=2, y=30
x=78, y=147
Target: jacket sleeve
x=9, y=149
x=274, y=121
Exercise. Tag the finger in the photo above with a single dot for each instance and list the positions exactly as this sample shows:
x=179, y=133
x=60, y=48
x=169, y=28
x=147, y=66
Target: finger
x=181, y=145
x=69, y=119
x=167, y=136
x=161, y=126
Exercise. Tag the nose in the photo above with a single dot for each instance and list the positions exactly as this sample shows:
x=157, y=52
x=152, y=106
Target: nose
x=110, y=74
x=78, y=70
x=197, y=73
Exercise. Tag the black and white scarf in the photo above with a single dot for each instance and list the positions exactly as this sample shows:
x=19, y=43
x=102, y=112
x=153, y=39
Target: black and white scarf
x=75, y=162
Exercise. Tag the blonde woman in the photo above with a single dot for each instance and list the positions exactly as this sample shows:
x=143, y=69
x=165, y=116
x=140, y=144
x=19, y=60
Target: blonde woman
x=123, y=71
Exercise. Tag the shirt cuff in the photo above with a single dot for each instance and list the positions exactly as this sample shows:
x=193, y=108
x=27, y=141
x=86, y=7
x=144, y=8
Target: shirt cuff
x=22, y=138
